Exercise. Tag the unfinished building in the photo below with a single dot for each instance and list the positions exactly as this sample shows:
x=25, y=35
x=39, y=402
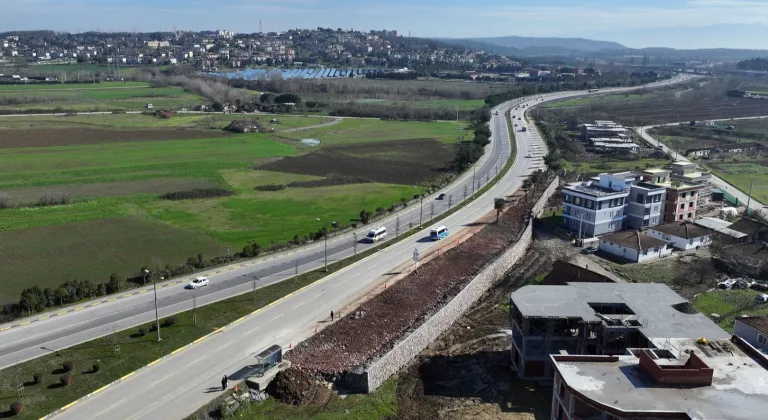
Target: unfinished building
x=597, y=319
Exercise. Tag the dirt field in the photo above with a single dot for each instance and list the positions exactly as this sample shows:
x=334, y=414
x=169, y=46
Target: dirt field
x=391, y=162
x=78, y=136
x=381, y=322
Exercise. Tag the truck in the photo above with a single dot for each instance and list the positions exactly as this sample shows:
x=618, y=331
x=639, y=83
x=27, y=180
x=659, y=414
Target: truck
x=523, y=129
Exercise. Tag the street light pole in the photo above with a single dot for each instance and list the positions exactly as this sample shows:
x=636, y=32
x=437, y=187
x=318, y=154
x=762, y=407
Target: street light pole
x=157, y=315
x=421, y=210
x=255, y=280
x=354, y=242
x=325, y=234
x=474, y=172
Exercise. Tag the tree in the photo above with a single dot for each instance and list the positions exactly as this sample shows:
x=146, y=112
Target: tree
x=527, y=184
x=365, y=216
x=498, y=204
x=217, y=107
x=115, y=283
x=288, y=98
x=267, y=98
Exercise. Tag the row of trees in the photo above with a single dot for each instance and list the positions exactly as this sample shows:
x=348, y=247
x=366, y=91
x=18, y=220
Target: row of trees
x=469, y=152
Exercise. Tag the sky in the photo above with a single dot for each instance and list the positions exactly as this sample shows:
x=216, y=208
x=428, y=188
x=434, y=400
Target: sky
x=636, y=24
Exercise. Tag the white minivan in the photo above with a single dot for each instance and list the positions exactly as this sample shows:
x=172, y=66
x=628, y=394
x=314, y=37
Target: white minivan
x=376, y=235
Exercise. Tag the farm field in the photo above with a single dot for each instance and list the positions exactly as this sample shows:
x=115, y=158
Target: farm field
x=72, y=70
x=106, y=96
x=114, y=167
x=729, y=304
x=741, y=173
x=624, y=98
x=463, y=105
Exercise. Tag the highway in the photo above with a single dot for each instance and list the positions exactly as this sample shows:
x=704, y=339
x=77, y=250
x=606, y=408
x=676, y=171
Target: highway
x=181, y=383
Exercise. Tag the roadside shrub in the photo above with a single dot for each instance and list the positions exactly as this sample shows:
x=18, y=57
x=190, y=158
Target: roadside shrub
x=38, y=378
x=380, y=211
x=5, y=201
x=96, y=367
x=170, y=321
x=65, y=379
x=197, y=193
x=17, y=408
x=251, y=250
x=69, y=366
x=153, y=327
x=142, y=331
x=270, y=187
x=55, y=198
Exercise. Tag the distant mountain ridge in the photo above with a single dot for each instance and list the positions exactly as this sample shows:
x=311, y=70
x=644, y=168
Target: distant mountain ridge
x=579, y=44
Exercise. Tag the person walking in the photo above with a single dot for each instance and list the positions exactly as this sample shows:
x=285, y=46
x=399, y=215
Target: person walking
x=224, y=383
x=331, y=316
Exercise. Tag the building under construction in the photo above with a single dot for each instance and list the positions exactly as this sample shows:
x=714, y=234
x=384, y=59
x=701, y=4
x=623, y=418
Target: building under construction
x=598, y=319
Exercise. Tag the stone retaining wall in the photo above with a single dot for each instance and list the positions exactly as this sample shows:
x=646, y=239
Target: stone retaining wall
x=380, y=370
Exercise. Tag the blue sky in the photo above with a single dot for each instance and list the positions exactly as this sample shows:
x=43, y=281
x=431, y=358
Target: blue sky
x=672, y=23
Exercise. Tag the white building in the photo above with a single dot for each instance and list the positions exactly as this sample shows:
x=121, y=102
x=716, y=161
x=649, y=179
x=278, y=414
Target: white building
x=634, y=246
x=682, y=235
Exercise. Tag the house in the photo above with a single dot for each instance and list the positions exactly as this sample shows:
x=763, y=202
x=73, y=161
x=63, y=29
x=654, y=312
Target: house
x=244, y=126
x=688, y=172
x=753, y=330
x=682, y=235
x=564, y=272
x=634, y=246
x=737, y=148
x=597, y=319
x=701, y=152
x=681, y=197
x=692, y=379
x=645, y=205
x=754, y=229
x=721, y=227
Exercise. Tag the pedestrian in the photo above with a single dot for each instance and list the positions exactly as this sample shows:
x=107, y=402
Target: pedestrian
x=224, y=383
x=331, y=316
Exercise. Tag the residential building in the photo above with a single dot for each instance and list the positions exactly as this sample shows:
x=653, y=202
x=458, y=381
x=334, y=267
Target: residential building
x=737, y=148
x=597, y=319
x=645, y=205
x=722, y=227
x=681, y=198
x=596, y=207
x=634, y=246
x=707, y=379
x=682, y=235
x=754, y=229
x=753, y=330
x=688, y=172
x=603, y=129
x=701, y=152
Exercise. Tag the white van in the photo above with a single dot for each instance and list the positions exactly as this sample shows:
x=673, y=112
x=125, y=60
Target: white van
x=376, y=235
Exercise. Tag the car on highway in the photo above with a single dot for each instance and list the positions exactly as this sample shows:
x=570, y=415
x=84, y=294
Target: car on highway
x=198, y=282
x=441, y=196
x=438, y=232
x=528, y=155
x=519, y=118
x=376, y=235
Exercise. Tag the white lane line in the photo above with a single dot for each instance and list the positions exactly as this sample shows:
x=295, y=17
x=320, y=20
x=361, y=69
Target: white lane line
x=195, y=362
x=301, y=304
x=254, y=329
x=160, y=380
x=225, y=345
x=317, y=295
x=109, y=408
x=275, y=318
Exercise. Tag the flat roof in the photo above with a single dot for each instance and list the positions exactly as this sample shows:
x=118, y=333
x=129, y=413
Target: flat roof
x=630, y=239
x=655, y=171
x=739, y=389
x=652, y=304
x=719, y=225
x=594, y=190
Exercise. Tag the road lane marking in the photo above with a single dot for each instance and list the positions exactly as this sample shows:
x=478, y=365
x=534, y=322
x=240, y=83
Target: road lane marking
x=275, y=318
x=109, y=408
x=142, y=291
x=225, y=345
x=160, y=380
x=45, y=317
x=197, y=360
x=301, y=304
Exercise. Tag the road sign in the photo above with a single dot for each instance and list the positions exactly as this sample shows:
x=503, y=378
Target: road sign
x=415, y=255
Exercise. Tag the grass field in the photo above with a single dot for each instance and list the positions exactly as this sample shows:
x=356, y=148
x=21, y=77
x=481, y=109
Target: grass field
x=609, y=165
x=114, y=173
x=741, y=174
x=460, y=104
x=729, y=304
x=72, y=70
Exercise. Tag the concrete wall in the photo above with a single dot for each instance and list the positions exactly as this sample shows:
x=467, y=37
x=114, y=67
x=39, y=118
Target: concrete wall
x=380, y=370
x=749, y=334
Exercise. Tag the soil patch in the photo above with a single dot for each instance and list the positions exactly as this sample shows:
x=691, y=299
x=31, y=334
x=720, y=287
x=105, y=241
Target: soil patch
x=10, y=139
x=296, y=387
x=375, y=327
x=404, y=162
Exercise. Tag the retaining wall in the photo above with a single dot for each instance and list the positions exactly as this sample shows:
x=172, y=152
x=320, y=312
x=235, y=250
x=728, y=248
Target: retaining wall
x=380, y=370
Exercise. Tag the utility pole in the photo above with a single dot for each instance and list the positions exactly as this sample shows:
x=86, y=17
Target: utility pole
x=255, y=280
x=157, y=314
x=431, y=211
x=474, y=172
x=465, y=191
x=354, y=243
x=397, y=226
x=421, y=209
x=194, y=306
x=450, y=201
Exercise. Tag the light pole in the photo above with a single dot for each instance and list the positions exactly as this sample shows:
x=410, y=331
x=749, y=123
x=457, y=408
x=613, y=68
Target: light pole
x=579, y=241
x=421, y=209
x=194, y=306
x=474, y=172
x=255, y=280
x=354, y=242
x=325, y=234
x=157, y=316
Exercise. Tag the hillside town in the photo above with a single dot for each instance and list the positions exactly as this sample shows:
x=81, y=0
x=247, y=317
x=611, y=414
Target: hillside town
x=207, y=50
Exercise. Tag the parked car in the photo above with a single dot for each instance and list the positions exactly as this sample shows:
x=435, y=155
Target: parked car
x=528, y=155
x=589, y=250
x=441, y=196
x=198, y=282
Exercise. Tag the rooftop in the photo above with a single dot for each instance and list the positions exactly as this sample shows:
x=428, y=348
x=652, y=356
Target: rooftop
x=656, y=171
x=649, y=185
x=749, y=226
x=738, y=390
x=565, y=272
x=719, y=225
x=594, y=189
x=633, y=239
x=760, y=323
x=653, y=305
x=682, y=229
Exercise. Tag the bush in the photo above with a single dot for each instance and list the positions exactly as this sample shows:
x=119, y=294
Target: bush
x=65, y=379
x=153, y=327
x=69, y=366
x=270, y=187
x=38, y=378
x=5, y=201
x=197, y=193
x=96, y=367
x=53, y=199
x=17, y=408
x=170, y=321
x=142, y=331
x=251, y=250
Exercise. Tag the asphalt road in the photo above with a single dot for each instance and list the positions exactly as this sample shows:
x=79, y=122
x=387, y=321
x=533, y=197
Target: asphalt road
x=178, y=385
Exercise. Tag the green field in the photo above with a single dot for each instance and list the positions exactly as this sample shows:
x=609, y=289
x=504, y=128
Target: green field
x=72, y=70
x=729, y=304
x=741, y=174
x=116, y=221
x=107, y=96
x=460, y=104
x=609, y=165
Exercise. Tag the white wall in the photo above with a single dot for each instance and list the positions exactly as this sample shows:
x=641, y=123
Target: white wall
x=663, y=251
x=633, y=254
x=749, y=334
x=681, y=243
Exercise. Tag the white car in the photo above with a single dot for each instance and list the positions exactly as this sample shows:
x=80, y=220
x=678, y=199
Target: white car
x=528, y=155
x=198, y=282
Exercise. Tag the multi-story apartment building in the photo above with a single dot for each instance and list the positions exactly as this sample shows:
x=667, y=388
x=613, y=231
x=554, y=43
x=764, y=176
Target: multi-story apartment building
x=681, y=198
x=597, y=206
x=645, y=205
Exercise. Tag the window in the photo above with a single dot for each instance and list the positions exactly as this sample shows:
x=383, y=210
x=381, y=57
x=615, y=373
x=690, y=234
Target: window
x=682, y=206
x=762, y=339
x=640, y=198
x=690, y=205
x=647, y=211
x=589, y=203
x=612, y=214
x=577, y=201
x=690, y=241
x=645, y=223
x=657, y=198
x=656, y=250
x=567, y=198
x=690, y=215
x=681, y=217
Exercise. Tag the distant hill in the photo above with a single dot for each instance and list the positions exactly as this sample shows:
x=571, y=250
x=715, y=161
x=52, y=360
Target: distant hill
x=578, y=44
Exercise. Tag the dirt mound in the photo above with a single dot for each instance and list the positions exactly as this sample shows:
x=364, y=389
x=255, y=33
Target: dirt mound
x=296, y=387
